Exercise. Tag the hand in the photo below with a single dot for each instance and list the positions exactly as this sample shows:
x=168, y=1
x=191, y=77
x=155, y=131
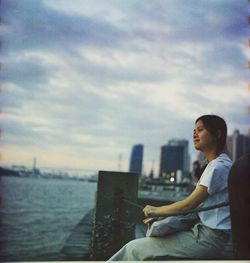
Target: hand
x=149, y=221
x=149, y=210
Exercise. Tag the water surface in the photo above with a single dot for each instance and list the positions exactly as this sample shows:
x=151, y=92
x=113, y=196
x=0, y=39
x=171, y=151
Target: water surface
x=37, y=215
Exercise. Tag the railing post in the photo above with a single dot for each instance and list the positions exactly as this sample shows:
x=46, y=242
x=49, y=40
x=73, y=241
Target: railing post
x=115, y=216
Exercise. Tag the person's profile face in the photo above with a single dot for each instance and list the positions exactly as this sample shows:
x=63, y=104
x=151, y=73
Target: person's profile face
x=202, y=138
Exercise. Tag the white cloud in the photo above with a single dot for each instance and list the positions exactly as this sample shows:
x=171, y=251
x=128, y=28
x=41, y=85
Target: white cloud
x=84, y=80
x=101, y=10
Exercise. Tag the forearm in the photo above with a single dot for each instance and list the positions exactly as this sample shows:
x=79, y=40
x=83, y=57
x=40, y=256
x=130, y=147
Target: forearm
x=192, y=201
x=177, y=207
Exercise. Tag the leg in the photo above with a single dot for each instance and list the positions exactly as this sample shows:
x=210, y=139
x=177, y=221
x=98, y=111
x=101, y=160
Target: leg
x=149, y=248
x=197, y=243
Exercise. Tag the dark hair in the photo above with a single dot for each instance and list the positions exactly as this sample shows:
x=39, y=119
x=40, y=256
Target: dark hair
x=218, y=128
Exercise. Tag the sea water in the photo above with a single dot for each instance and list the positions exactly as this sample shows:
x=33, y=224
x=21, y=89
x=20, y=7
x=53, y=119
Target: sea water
x=38, y=215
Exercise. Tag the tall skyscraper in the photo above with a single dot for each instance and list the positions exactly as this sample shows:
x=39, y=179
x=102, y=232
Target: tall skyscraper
x=174, y=157
x=186, y=160
x=136, y=159
x=238, y=144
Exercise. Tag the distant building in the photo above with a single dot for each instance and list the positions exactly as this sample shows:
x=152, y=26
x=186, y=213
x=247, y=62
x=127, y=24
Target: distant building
x=136, y=159
x=187, y=159
x=238, y=144
x=174, y=157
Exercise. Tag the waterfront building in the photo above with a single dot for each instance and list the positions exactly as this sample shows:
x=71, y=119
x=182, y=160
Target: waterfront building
x=238, y=144
x=174, y=157
x=136, y=159
x=187, y=159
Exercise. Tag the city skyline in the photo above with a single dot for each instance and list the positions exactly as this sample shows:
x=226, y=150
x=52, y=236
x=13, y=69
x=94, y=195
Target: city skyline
x=236, y=142
x=82, y=82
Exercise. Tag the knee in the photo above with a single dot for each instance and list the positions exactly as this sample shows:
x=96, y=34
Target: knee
x=136, y=250
x=131, y=248
x=127, y=252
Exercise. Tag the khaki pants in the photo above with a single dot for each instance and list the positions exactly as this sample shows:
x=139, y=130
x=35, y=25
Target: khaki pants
x=200, y=242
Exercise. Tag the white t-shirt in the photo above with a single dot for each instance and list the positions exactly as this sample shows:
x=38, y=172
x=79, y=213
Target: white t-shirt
x=215, y=178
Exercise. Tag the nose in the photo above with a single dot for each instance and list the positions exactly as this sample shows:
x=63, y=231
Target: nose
x=194, y=134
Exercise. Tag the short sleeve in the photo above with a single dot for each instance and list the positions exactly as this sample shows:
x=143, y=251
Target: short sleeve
x=214, y=178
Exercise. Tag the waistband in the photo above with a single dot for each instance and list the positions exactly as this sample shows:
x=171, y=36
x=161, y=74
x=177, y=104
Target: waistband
x=223, y=232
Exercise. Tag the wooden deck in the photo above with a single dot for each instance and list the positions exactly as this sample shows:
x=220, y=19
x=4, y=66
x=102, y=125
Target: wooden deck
x=78, y=244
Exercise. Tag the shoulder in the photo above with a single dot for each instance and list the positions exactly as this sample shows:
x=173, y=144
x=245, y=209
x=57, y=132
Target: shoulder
x=222, y=162
x=215, y=175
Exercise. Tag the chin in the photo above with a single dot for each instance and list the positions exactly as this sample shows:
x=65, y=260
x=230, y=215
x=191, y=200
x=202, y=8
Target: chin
x=197, y=148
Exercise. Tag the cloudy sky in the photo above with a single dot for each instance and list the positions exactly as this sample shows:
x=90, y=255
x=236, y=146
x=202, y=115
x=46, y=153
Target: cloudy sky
x=82, y=81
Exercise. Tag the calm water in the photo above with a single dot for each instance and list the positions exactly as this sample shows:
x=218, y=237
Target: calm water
x=37, y=215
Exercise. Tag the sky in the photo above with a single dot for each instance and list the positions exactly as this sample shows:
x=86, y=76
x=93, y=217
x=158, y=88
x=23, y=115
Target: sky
x=83, y=81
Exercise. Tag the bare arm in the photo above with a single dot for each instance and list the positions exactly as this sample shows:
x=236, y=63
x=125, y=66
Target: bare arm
x=198, y=196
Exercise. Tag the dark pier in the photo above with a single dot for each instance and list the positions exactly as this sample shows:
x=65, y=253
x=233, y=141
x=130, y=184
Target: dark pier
x=78, y=244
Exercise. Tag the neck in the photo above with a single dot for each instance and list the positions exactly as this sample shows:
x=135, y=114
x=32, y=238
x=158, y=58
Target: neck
x=211, y=155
